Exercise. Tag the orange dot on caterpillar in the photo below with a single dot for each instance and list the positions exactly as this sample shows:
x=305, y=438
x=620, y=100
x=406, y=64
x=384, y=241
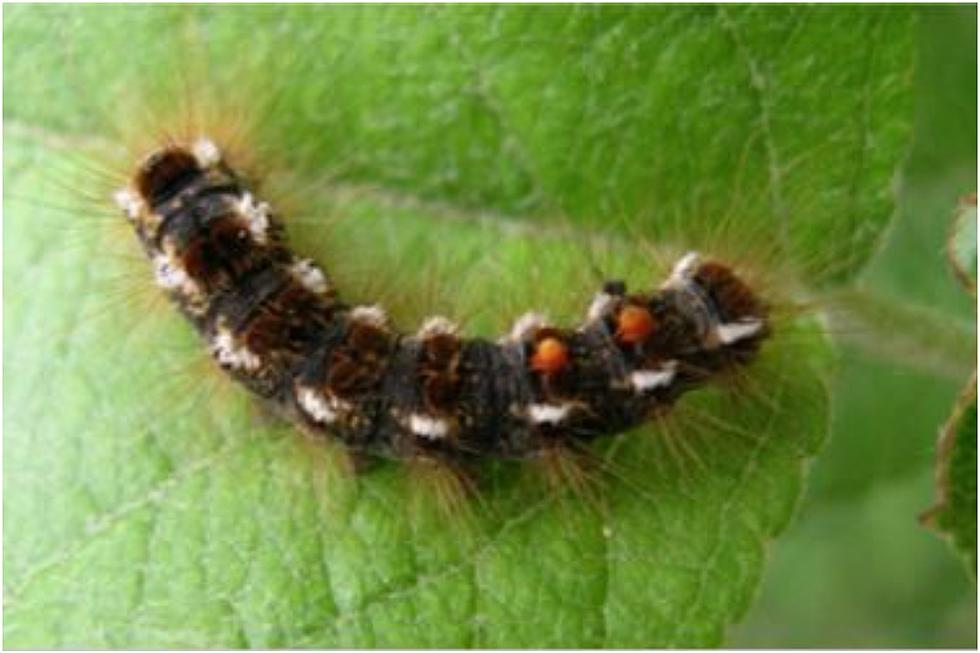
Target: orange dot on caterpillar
x=550, y=356
x=634, y=324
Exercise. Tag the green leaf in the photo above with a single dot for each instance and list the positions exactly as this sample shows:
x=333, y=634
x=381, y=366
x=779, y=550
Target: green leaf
x=148, y=505
x=961, y=248
x=955, y=512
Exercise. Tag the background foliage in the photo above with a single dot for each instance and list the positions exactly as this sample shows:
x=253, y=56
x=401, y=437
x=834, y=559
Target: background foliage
x=855, y=569
x=491, y=142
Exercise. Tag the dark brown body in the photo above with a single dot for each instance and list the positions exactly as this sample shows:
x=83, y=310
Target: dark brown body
x=275, y=324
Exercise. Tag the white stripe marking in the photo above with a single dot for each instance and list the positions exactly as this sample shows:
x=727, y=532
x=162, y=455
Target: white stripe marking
x=316, y=406
x=129, y=201
x=372, y=315
x=257, y=215
x=735, y=331
x=644, y=380
x=228, y=352
x=683, y=270
x=310, y=275
x=526, y=325
x=602, y=304
x=206, y=153
x=548, y=413
x=438, y=325
x=428, y=427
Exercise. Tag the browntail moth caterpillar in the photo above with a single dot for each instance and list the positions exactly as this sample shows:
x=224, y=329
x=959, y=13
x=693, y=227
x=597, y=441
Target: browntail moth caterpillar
x=274, y=322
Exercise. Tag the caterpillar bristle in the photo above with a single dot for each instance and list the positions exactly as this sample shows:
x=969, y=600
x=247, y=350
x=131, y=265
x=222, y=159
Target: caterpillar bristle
x=449, y=488
x=571, y=473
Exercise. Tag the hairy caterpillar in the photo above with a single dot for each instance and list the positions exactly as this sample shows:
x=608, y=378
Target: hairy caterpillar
x=349, y=103
x=274, y=322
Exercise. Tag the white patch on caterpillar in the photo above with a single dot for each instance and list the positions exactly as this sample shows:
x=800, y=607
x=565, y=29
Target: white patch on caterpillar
x=730, y=332
x=206, y=153
x=129, y=201
x=549, y=413
x=428, y=427
x=644, y=380
x=601, y=306
x=230, y=354
x=438, y=325
x=308, y=274
x=170, y=275
x=683, y=270
x=526, y=325
x=315, y=405
x=372, y=315
x=257, y=215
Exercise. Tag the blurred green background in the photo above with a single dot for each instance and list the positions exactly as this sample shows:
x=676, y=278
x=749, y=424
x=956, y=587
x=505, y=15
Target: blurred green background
x=856, y=569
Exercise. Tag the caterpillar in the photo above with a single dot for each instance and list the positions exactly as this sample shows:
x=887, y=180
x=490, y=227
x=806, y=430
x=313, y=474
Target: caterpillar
x=274, y=322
